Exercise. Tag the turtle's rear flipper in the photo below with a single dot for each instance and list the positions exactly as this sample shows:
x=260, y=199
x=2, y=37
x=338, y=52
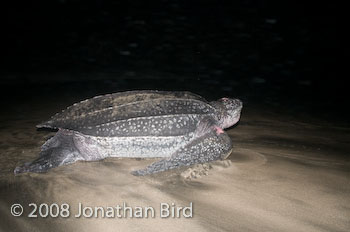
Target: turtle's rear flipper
x=211, y=144
x=59, y=150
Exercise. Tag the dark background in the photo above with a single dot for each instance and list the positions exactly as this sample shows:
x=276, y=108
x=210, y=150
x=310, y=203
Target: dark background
x=281, y=54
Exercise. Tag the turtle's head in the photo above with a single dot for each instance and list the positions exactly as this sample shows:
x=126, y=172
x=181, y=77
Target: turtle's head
x=229, y=111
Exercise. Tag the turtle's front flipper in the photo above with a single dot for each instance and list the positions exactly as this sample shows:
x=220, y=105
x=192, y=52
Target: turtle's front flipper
x=65, y=147
x=211, y=143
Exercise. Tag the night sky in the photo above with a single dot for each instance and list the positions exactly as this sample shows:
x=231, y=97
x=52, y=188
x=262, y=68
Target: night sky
x=270, y=52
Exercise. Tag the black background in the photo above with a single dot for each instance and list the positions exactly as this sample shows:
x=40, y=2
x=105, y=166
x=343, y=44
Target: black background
x=278, y=53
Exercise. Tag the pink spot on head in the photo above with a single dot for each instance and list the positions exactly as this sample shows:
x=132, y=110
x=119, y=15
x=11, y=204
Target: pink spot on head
x=218, y=130
x=225, y=98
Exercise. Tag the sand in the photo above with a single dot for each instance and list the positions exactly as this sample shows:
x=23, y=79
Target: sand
x=285, y=174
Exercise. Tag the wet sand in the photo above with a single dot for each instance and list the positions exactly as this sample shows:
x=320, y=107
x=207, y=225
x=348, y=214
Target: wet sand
x=286, y=174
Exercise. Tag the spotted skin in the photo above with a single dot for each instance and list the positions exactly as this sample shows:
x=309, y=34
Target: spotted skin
x=124, y=105
x=207, y=147
x=180, y=127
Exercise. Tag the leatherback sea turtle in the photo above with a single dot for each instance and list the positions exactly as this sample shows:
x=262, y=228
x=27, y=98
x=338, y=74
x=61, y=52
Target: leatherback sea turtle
x=180, y=127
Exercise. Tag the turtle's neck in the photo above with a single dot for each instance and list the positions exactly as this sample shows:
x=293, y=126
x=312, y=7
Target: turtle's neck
x=220, y=113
